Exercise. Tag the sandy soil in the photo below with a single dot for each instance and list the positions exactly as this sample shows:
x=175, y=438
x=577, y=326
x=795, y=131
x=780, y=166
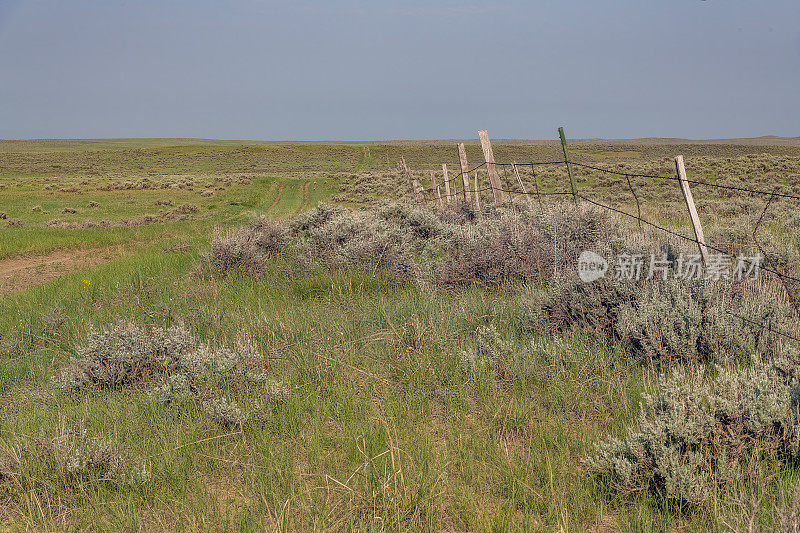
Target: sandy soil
x=17, y=273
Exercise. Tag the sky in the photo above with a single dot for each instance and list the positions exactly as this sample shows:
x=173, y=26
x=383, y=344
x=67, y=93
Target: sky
x=373, y=70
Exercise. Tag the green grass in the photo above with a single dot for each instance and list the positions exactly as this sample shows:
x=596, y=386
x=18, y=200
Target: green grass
x=382, y=430
x=357, y=391
x=35, y=207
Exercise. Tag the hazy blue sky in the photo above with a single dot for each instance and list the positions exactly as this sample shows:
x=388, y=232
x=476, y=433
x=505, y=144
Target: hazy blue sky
x=314, y=69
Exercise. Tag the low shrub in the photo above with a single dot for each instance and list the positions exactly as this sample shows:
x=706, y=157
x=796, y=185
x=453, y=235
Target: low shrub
x=669, y=320
x=452, y=245
x=570, y=303
x=518, y=244
x=357, y=240
x=174, y=366
x=70, y=459
x=419, y=223
x=489, y=352
x=229, y=413
x=696, y=435
x=673, y=320
x=314, y=218
x=246, y=250
x=126, y=355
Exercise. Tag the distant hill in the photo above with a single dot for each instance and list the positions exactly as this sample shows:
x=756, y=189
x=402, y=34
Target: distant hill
x=24, y=145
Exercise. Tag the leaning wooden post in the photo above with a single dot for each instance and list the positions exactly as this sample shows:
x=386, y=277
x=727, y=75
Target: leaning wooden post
x=491, y=167
x=687, y=195
x=446, y=182
x=462, y=155
x=412, y=182
x=407, y=174
x=569, y=168
x=435, y=188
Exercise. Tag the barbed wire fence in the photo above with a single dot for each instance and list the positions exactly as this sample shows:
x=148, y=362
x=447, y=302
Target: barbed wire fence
x=470, y=195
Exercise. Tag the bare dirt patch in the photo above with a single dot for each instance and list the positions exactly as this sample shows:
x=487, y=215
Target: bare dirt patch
x=18, y=273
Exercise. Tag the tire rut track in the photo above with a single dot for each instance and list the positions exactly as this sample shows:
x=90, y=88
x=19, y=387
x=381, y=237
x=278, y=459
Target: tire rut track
x=277, y=198
x=305, y=198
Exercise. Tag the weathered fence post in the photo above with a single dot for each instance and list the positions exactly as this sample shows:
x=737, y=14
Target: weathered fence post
x=569, y=168
x=407, y=174
x=436, y=190
x=522, y=185
x=687, y=195
x=412, y=182
x=446, y=182
x=462, y=155
x=491, y=167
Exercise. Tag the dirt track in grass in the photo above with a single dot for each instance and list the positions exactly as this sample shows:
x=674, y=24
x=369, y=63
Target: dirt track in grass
x=277, y=198
x=305, y=198
x=23, y=272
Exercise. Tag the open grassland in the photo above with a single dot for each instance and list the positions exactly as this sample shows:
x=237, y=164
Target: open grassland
x=407, y=375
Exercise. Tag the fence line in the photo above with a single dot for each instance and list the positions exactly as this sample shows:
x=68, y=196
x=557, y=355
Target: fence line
x=782, y=276
x=629, y=175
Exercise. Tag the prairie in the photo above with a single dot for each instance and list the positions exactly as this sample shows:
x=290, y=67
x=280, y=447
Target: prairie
x=362, y=372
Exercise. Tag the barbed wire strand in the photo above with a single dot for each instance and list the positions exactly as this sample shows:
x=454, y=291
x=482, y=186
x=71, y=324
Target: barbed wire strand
x=628, y=175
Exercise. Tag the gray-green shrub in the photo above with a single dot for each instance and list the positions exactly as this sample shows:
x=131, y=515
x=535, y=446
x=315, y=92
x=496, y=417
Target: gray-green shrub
x=69, y=459
x=173, y=365
x=126, y=355
x=488, y=353
x=668, y=320
x=454, y=245
x=695, y=434
x=247, y=249
x=517, y=243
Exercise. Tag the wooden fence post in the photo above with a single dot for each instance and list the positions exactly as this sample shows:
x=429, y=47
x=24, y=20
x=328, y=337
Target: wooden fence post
x=412, y=182
x=494, y=177
x=687, y=195
x=462, y=155
x=407, y=174
x=436, y=190
x=569, y=168
x=446, y=182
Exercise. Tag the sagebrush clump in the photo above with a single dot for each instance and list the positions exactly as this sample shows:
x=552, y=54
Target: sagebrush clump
x=353, y=239
x=68, y=460
x=489, y=351
x=247, y=249
x=697, y=433
x=453, y=245
x=659, y=321
x=126, y=355
x=172, y=364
